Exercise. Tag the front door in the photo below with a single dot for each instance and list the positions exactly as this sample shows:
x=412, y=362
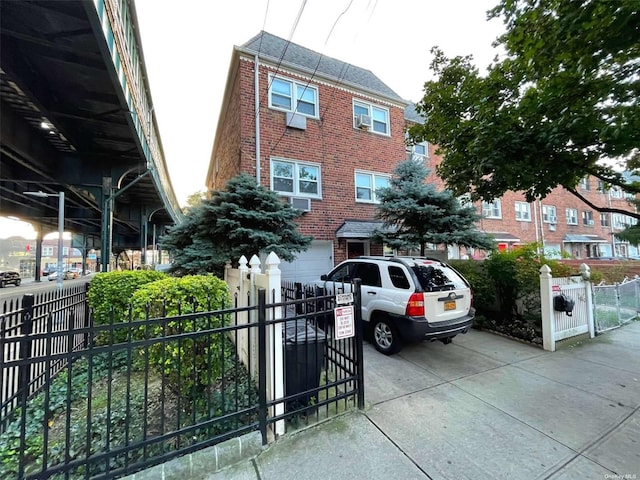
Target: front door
x=356, y=249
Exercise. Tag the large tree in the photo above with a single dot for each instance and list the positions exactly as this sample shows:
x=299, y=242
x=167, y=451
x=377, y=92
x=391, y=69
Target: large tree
x=243, y=219
x=416, y=213
x=560, y=104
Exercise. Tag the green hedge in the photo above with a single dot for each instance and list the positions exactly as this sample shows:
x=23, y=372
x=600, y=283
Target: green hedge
x=112, y=291
x=191, y=365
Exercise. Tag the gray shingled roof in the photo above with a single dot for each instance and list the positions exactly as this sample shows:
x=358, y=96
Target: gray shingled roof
x=411, y=114
x=272, y=47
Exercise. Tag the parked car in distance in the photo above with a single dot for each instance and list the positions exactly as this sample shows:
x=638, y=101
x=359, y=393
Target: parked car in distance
x=8, y=277
x=406, y=299
x=66, y=275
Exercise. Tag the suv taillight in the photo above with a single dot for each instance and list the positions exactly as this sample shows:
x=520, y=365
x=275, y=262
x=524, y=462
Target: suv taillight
x=415, y=306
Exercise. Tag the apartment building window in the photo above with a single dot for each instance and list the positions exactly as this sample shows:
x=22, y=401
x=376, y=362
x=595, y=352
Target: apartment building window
x=367, y=183
x=292, y=96
x=584, y=183
x=549, y=214
x=492, y=209
x=621, y=222
x=379, y=117
x=615, y=192
x=604, y=219
x=47, y=251
x=600, y=186
x=572, y=216
x=419, y=152
x=587, y=218
x=295, y=178
x=523, y=211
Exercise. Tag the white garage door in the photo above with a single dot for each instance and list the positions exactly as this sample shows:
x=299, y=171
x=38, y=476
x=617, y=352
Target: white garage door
x=311, y=264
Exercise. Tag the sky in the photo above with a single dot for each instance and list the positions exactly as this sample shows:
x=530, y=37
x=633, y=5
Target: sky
x=188, y=45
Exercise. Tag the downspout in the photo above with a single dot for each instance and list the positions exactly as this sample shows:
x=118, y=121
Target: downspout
x=535, y=220
x=541, y=224
x=257, y=115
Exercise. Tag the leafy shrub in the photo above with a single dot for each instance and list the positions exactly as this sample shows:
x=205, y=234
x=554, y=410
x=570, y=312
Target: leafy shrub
x=484, y=292
x=112, y=291
x=192, y=362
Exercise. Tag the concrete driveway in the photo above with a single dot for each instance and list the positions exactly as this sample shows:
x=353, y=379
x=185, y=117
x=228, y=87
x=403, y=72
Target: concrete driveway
x=484, y=407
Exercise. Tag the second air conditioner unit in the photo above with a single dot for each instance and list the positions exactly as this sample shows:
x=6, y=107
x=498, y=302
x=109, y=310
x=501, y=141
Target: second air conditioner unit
x=363, y=121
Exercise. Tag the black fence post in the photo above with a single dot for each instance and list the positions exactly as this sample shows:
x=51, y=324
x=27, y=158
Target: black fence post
x=357, y=303
x=87, y=315
x=24, y=373
x=262, y=363
x=298, y=296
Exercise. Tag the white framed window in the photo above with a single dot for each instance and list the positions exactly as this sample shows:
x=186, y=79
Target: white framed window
x=292, y=96
x=523, y=211
x=621, y=222
x=587, y=218
x=47, y=251
x=572, y=216
x=379, y=117
x=615, y=192
x=419, y=152
x=604, y=219
x=492, y=209
x=367, y=183
x=549, y=214
x=584, y=183
x=293, y=178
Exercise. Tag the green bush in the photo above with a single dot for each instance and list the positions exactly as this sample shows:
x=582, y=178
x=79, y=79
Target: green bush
x=112, y=291
x=484, y=292
x=189, y=364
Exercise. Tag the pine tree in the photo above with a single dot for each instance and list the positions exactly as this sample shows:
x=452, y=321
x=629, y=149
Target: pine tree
x=243, y=219
x=416, y=213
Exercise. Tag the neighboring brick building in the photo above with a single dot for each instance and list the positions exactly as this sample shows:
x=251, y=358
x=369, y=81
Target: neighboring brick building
x=331, y=133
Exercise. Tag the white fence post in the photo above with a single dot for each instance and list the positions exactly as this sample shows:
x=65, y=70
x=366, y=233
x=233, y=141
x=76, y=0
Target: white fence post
x=548, y=320
x=585, y=272
x=275, y=339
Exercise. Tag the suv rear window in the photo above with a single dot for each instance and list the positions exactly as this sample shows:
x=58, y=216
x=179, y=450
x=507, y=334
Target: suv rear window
x=438, y=277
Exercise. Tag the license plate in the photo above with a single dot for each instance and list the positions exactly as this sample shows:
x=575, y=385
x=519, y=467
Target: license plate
x=450, y=305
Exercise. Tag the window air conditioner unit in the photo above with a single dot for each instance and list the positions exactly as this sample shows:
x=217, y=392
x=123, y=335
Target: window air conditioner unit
x=553, y=219
x=300, y=203
x=590, y=222
x=552, y=227
x=363, y=121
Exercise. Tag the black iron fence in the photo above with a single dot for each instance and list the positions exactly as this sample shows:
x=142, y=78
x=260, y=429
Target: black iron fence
x=104, y=401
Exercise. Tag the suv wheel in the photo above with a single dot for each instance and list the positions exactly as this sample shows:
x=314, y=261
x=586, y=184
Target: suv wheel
x=385, y=336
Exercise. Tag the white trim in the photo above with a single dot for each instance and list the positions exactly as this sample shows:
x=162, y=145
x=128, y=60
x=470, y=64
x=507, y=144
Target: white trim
x=370, y=107
x=373, y=176
x=294, y=96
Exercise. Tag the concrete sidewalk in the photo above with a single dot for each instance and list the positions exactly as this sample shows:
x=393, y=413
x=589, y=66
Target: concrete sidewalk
x=484, y=407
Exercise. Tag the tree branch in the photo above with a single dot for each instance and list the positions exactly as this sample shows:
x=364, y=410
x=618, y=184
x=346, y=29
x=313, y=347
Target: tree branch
x=602, y=209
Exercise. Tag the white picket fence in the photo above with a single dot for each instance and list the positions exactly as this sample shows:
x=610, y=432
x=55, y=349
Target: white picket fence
x=244, y=283
x=557, y=325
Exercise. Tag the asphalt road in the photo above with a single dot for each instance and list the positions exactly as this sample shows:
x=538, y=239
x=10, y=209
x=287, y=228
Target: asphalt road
x=11, y=292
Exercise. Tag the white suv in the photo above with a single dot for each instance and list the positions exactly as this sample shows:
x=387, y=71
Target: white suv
x=406, y=298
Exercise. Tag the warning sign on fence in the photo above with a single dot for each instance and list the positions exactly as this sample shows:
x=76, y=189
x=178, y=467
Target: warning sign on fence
x=344, y=322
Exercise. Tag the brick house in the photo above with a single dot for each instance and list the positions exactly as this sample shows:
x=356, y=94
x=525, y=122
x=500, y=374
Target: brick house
x=328, y=133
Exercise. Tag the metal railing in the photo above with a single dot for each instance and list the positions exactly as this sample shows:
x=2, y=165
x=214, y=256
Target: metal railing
x=616, y=305
x=138, y=392
x=30, y=329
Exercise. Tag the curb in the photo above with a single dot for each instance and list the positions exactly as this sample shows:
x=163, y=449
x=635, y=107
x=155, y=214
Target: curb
x=200, y=464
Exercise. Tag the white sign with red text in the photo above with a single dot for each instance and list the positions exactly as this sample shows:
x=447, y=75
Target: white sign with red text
x=345, y=327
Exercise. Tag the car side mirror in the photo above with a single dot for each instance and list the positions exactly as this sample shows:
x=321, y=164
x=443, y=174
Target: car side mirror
x=323, y=276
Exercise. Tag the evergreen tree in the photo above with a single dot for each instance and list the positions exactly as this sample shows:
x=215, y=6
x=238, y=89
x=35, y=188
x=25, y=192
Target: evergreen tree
x=416, y=213
x=243, y=219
